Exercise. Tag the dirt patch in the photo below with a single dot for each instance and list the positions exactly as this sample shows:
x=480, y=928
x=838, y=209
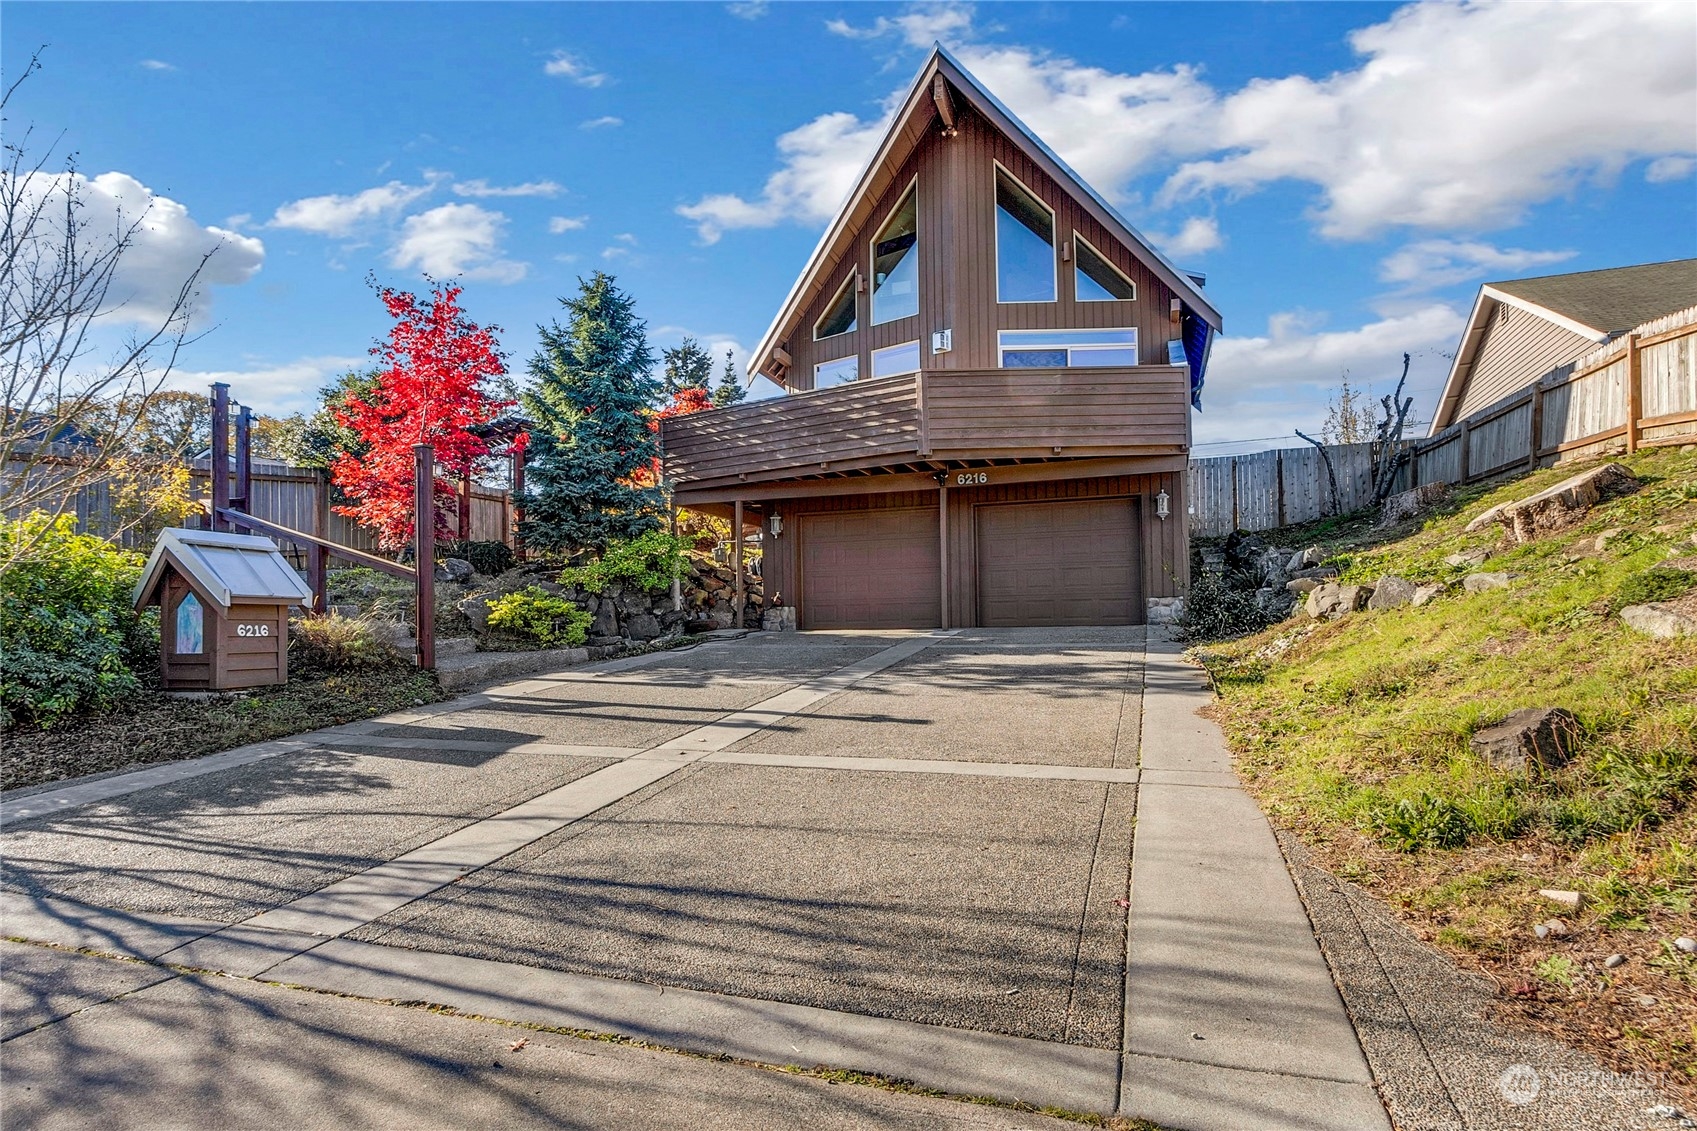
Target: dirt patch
x=155, y=729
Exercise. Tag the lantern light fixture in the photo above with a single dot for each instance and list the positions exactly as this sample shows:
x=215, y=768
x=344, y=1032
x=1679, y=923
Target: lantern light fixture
x=775, y=524
x=1163, y=505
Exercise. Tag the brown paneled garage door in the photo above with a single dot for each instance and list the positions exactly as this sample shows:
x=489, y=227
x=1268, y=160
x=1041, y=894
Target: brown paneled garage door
x=1057, y=563
x=870, y=569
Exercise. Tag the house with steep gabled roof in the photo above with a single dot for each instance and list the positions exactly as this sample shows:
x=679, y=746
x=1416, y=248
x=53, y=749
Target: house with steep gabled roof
x=1521, y=329
x=989, y=374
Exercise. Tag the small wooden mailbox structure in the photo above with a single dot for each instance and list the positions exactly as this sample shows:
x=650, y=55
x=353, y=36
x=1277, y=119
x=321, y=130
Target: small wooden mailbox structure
x=223, y=609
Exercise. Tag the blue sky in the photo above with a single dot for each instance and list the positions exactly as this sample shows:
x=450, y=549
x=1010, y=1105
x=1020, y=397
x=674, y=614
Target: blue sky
x=1346, y=174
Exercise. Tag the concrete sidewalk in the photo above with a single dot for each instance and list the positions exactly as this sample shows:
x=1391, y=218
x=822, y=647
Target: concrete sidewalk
x=904, y=854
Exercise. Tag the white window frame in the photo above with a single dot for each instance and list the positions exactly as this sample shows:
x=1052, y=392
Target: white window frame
x=918, y=355
x=854, y=357
x=1097, y=252
x=872, y=257
x=1002, y=349
x=849, y=286
x=996, y=232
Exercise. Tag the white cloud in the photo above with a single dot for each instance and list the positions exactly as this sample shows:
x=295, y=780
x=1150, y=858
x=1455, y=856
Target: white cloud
x=165, y=248
x=748, y=9
x=1199, y=235
x=566, y=65
x=1464, y=115
x=560, y=225
x=337, y=215
x=606, y=121
x=1426, y=264
x=457, y=239
x=276, y=390
x=482, y=188
x=1459, y=117
x=615, y=252
x=625, y=237
x=1273, y=383
x=1669, y=169
x=157, y=65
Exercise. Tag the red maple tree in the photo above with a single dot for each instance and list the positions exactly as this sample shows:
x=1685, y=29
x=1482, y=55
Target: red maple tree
x=432, y=389
x=684, y=402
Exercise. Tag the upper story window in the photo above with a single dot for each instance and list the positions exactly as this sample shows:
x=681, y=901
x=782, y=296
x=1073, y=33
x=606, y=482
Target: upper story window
x=1060, y=349
x=1025, y=243
x=839, y=317
x=838, y=372
x=1098, y=280
x=895, y=263
x=891, y=361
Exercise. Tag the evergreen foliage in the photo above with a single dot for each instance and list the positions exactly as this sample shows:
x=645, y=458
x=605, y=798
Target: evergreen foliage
x=729, y=390
x=686, y=367
x=593, y=388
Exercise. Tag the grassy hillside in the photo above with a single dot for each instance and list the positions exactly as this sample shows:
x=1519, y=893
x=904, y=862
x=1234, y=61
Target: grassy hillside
x=1354, y=733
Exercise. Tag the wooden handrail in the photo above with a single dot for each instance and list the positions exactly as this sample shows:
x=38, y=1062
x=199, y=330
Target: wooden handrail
x=300, y=537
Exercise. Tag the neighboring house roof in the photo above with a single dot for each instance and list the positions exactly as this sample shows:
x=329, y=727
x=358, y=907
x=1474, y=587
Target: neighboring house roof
x=226, y=567
x=904, y=136
x=1597, y=305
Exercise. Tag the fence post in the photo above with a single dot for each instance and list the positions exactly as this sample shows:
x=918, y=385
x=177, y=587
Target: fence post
x=1235, y=524
x=465, y=506
x=1634, y=392
x=317, y=561
x=1466, y=441
x=244, y=460
x=517, y=501
x=1279, y=470
x=219, y=471
x=424, y=549
x=1537, y=425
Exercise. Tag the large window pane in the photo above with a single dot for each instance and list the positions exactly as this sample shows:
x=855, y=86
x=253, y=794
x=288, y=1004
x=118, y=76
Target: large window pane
x=1025, y=245
x=839, y=316
x=838, y=372
x=1096, y=278
x=895, y=265
x=1057, y=349
x=892, y=360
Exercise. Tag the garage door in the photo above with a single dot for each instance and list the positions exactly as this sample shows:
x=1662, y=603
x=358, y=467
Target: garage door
x=1073, y=562
x=870, y=569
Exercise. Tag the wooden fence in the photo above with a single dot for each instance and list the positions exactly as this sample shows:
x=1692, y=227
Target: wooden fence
x=299, y=498
x=1637, y=391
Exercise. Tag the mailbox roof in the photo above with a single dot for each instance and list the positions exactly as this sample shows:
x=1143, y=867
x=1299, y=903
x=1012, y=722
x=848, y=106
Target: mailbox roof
x=228, y=567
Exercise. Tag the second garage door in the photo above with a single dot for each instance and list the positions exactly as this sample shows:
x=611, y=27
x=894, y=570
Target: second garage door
x=871, y=569
x=1059, y=563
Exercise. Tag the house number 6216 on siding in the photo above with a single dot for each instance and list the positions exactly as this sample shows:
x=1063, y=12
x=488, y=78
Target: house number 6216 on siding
x=972, y=478
x=253, y=630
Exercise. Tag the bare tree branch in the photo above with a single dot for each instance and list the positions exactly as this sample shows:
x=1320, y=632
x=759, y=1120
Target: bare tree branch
x=1331, y=472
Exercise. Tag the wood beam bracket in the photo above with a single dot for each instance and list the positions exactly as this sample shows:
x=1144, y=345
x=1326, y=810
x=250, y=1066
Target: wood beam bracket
x=945, y=104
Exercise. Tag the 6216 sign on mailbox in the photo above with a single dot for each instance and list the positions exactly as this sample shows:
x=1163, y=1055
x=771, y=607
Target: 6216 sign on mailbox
x=253, y=630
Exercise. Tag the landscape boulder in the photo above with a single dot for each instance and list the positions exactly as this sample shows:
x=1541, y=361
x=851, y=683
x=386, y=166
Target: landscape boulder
x=1532, y=737
x=643, y=626
x=1391, y=593
x=476, y=610
x=1483, y=582
x=1564, y=504
x=1353, y=598
x=1660, y=619
x=1467, y=558
x=1332, y=600
x=1426, y=594
x=457, y=570
x=1411, y=504
x=1301, y=585
x=1312, y=556
x=606, y=622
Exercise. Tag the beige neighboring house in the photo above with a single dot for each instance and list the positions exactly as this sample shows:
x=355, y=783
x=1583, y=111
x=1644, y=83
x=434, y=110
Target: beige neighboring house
x=1521, y=329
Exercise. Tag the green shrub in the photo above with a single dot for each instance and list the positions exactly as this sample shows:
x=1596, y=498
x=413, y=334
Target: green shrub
x=69, y=639
x=1216, y=611
x=553, y=622
x=320, y=646
x=491, y=559
x=647, y=562
x=376, y=594
x=1655, y=584
x=1417, y=820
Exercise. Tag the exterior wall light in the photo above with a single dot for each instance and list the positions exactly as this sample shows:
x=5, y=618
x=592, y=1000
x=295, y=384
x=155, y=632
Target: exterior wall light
x=1163, y=505
x=775, y=524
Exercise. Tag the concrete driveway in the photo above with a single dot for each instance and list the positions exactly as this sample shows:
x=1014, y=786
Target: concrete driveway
x=904, y=854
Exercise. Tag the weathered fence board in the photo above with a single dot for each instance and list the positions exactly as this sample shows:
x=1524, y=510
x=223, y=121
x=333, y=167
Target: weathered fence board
x=1577, y=410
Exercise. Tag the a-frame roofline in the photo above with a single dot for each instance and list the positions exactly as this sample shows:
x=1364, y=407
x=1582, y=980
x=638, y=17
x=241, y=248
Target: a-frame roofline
x=907, y=129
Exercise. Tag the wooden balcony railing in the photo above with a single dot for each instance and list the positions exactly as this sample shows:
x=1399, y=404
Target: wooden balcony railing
x=958, y=414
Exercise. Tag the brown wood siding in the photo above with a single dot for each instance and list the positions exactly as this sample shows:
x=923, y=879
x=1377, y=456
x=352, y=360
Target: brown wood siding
x=1031, y=412
x=1518, y=348
x=1164, y=549
x=957, y=263
x=959, y=414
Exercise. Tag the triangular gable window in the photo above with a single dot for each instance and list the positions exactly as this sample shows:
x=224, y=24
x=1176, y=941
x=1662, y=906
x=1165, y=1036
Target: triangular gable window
x=895, y=264
x=1097, y=279
x=840, y=315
